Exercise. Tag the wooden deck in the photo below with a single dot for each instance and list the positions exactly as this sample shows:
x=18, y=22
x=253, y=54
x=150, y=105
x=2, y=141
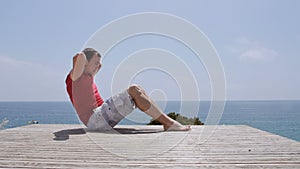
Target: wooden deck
x=69, y=146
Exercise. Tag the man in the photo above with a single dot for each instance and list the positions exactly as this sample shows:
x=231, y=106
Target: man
x=99, y=115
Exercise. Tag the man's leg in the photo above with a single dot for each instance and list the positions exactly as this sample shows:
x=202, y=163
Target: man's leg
x=147, y=105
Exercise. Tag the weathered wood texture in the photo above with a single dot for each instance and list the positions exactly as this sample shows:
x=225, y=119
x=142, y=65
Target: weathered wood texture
x=69, y=146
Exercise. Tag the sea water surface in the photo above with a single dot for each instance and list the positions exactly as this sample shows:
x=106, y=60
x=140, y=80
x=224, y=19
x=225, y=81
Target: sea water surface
x=278, y=117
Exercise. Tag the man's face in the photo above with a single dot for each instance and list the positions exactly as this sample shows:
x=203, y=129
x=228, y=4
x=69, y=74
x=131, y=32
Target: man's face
x=93, y=66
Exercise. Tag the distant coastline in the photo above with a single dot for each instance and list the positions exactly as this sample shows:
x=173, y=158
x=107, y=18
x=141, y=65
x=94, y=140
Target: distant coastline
x=280, y=117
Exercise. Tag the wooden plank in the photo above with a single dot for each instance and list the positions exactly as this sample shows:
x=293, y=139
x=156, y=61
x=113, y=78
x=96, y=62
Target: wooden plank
x=69, y=146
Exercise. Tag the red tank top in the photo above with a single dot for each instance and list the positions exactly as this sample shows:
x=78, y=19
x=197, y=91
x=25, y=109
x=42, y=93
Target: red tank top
x=84, y=96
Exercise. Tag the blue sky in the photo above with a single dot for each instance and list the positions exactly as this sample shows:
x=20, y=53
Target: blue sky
x=257, y=42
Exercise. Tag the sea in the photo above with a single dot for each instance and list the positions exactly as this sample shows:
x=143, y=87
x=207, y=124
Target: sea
x=281, y=117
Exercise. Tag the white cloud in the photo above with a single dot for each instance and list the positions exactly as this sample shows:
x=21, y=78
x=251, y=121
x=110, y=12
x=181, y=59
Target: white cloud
x=258, y=54
x=4, y=60
x=26, y=81
x=246, y=49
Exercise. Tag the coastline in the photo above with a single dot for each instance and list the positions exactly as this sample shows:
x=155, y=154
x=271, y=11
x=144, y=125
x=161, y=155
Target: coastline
x=280, y=117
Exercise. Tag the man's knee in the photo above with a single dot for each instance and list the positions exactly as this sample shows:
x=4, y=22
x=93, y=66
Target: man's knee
x=135, y=90
x=139, y=97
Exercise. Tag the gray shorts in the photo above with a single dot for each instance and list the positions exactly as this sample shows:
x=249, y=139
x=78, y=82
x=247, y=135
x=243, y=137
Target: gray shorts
x=111, y=112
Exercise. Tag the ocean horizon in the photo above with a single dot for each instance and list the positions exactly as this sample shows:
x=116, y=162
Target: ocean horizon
x=281, y=117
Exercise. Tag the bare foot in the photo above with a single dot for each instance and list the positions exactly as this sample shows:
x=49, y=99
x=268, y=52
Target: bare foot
x=177, y=127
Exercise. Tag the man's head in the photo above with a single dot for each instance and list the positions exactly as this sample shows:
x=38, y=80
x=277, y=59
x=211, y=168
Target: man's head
x=93, y=57
x=90, y=52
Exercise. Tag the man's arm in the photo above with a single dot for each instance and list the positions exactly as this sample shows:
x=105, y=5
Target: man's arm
x=79, y=62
